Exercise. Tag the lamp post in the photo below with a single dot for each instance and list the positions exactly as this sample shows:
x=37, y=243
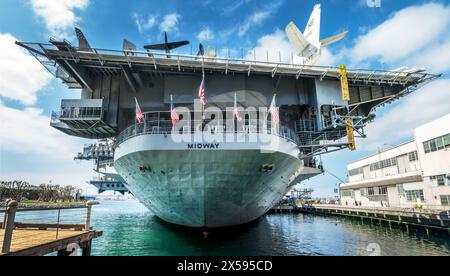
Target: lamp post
x=339, y=185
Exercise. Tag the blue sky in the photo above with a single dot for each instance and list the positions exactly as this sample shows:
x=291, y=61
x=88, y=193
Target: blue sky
x=411, y=33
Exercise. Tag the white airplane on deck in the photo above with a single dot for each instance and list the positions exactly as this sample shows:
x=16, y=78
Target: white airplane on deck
x=308, y=46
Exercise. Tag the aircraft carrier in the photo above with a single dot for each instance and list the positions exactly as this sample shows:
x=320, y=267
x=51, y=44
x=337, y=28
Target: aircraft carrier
x=211, y=169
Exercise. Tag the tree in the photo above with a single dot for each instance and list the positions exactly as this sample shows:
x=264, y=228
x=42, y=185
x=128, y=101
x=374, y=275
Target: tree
x=19, y=189
x=3, y=190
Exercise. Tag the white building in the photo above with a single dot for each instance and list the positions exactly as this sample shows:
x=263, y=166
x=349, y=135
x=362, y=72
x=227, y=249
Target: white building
x=416, y=173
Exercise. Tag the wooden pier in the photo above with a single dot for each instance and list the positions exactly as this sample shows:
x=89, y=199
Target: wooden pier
x=425, y=219
x=39, y=239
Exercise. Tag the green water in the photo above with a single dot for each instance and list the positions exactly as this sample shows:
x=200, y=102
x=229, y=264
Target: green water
x=129, y=229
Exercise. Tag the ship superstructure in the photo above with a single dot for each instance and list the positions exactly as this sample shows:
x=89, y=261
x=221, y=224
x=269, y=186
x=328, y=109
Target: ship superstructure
x=211, y=170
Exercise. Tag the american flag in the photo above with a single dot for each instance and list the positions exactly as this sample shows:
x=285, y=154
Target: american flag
x=201, y=92
x=236, y=110
x=274, y=111
x=173, y=113
x=139, y=115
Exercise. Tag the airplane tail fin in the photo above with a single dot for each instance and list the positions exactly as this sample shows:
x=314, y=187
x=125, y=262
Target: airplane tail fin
x=312, y=30
x=333, y=39
x=128, y=46
x=82, y=41
x=298, y=40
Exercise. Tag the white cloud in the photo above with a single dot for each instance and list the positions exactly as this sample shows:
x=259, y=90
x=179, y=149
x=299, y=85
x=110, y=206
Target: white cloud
x=144, y=24
x=269, y=47
x=258, y=17
x=232, y=7
x=170, y=23
x=21, y=75
x=255, y=19
x=29, y=132
x=206, y=34
x=414, y=36
x=435, y=58
x=427, y=104
x=404, y=34
x=58, y=15
x=224, y=35
x=328, y=58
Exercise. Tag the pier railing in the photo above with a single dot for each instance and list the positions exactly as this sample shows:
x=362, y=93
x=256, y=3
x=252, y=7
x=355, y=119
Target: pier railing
x=55, y=219
x=437, y=219
x=430, y=209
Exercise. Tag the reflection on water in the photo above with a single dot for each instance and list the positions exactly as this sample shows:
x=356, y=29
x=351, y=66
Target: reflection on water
x=129, y=229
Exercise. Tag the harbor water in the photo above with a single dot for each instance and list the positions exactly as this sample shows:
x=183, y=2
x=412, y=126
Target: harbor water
x=131, y=230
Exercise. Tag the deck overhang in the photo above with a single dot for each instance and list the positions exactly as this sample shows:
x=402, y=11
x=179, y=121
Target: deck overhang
x=409, y=177
x=116, y=61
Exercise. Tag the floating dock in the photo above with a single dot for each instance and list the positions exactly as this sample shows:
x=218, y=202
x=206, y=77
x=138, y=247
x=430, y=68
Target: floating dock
x=40, y=238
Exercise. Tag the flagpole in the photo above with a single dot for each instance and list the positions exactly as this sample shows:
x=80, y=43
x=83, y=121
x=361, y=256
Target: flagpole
x=275, y=107
x=144, y=117
x=273, y=104
x=235, y=119
x=203, y=106
x=171, y=106
x=135, y=118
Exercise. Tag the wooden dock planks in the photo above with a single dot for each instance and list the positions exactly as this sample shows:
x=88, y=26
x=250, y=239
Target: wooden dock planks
x=42, y=242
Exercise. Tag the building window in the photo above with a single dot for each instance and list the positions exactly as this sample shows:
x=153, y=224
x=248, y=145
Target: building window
x=440, y=180
x=391, y=162
x=363, y=192
x=355, y=171
x=347, y=193
x=440, y=143
x=371, y=191
x=447, y=141
x=382, y=190
x=377, y=193
x=414, y=195
x=413, y=156
x=426, y=147
x=433, y=146
x=400, y=189
x=445, y=200
x=436, y=144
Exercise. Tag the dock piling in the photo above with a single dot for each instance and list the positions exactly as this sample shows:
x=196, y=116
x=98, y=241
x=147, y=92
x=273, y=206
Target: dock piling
x=86, y=249
x=87, y=225
x=4, y=217
x=10, y=216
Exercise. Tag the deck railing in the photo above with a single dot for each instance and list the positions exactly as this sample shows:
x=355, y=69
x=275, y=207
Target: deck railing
x=155, y=127
x=79, y=109
x=310, y=138
x=248, y=61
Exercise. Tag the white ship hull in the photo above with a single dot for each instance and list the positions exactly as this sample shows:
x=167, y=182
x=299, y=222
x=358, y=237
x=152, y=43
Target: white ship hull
x=185, y=184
